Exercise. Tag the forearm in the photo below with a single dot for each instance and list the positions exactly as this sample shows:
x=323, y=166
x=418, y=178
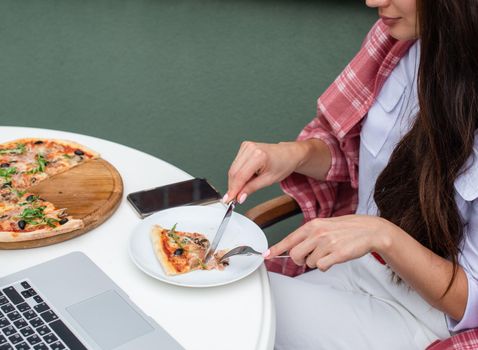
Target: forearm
x=314, y=158
x=426, y=272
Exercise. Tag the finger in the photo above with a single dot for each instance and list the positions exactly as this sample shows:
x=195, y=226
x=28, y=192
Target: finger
x=245, y=145
x=318, y=253
x=237, y=176
x=302, y=251
x=286, y=244
x=326, y=262
x=240, y=159
x=240, y=177
x=254, y=184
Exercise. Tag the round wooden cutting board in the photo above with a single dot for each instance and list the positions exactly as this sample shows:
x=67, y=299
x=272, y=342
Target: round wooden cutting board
x=91, y=191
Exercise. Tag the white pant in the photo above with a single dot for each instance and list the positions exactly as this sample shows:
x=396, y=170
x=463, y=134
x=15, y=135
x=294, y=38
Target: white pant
x=354, y=305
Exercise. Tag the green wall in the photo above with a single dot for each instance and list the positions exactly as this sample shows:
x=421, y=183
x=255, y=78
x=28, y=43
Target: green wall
x=184, y=80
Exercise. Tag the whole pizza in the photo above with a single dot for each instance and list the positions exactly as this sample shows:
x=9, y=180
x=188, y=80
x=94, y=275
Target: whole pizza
x=26, y=162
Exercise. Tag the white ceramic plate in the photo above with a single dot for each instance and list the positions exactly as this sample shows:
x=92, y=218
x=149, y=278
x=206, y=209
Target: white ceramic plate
x=206, y=220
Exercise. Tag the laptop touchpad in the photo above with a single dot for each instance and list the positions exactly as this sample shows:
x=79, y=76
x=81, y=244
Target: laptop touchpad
x=109, y=320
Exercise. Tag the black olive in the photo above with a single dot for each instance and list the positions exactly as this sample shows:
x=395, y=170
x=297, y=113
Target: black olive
x=4, y=165
x=79, y=152
x=22, y=224
x=31, y=198
x=179, y=251
x=7, y=184
x=39, y=142
x=63, y=221
x=202, y=242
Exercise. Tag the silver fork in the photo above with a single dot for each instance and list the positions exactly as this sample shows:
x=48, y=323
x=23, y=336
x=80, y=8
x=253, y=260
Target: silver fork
x=245, y=250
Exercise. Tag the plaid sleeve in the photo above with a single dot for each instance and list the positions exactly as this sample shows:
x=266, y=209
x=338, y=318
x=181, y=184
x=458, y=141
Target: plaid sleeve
x=467, y=340
x=319, y=128
x=334, y=196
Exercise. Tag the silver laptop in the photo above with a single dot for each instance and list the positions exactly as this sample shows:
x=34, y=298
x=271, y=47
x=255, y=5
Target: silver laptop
x=69, y=303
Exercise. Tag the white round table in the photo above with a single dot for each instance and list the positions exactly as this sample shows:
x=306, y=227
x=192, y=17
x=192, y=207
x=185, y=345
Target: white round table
x=250, y=321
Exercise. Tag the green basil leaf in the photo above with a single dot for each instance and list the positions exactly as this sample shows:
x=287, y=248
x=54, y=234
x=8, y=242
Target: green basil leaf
x=20, y=149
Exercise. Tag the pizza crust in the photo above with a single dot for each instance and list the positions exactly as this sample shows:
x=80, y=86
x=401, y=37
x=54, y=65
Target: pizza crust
x=95, y=155
x=71, y=225
x=159, y=251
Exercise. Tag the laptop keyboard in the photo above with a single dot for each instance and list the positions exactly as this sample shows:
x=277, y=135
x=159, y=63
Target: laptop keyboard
x=27, y=322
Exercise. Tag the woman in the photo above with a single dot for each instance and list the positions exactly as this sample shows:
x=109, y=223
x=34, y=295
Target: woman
x=408, y=105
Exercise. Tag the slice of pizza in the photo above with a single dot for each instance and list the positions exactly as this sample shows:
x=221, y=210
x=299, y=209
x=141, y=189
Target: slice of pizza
x=25, y=162
x=181, y=252
x=25, y=216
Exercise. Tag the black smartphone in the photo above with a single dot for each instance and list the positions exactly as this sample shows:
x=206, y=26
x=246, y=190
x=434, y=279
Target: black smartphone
x=195, y=191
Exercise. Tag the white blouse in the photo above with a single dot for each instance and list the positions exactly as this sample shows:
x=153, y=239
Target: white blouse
x=388, y=120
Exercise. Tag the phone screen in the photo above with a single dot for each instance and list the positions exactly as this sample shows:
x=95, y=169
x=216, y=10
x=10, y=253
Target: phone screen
x=195, y=191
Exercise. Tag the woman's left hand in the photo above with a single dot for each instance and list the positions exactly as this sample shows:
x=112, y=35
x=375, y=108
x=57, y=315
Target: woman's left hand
x=322, y=243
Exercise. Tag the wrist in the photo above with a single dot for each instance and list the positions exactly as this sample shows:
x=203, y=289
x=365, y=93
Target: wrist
x=386, y=237
x=298, y=152
x=308, y=157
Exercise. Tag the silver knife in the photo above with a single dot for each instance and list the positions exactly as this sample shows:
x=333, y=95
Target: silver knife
x=220, y=231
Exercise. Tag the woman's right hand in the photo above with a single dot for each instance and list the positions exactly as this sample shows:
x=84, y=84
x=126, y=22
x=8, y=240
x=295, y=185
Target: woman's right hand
x=258, y=165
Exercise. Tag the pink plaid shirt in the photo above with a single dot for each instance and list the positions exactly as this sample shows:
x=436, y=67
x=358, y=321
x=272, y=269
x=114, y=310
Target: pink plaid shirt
x=340, y=109
x=338, y=122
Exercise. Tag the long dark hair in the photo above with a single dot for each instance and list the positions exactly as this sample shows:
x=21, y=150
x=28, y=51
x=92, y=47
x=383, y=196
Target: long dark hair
x=416, y=189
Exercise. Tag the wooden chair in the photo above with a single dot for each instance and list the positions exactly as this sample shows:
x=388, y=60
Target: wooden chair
x=280, y=208
x=274, y=210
